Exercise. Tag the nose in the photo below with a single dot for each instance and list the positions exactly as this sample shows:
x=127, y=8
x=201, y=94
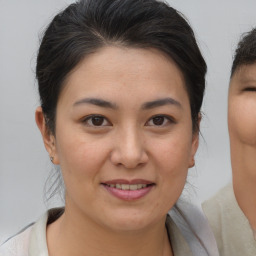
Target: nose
x=129, y=149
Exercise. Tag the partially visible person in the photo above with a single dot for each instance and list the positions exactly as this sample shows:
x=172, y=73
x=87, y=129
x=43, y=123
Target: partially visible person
x=121, y=84
x=232, y=212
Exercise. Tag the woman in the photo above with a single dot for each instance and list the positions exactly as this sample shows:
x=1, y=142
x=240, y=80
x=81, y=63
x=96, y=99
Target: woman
x=121, y=86
x=232, y=211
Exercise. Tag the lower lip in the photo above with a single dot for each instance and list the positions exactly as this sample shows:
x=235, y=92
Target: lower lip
x=128, y=195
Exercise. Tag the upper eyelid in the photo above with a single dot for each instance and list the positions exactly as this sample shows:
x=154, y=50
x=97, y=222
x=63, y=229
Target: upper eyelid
x=249, y=88
x=163, y=115
x=92, y=115
x=88, y=117
x=170, y=118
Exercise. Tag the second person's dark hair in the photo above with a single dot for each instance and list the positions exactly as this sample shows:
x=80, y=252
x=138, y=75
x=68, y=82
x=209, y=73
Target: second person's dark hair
x=246, y=51
x=87, y=25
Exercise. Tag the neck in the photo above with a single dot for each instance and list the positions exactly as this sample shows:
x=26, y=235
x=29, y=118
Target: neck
x=243, y=158
x=72, y=234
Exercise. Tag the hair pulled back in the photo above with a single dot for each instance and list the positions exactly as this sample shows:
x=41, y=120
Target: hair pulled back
x=87, y=25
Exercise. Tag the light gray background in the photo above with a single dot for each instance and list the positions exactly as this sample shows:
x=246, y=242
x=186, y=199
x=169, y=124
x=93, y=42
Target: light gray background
x=24, y=164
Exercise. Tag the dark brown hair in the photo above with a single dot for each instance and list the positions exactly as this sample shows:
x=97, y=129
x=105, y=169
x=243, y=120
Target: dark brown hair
x=87, y=25
x=246, y=51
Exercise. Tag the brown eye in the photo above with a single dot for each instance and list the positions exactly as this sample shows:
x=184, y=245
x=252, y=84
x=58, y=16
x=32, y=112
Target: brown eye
x=158, y=120
x=250, y=89
x=96, y=120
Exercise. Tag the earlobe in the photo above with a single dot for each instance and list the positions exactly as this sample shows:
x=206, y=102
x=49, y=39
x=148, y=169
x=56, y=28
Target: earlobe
x=195, y=143
x=48, y=137
x=192, y=163
x=194, y=148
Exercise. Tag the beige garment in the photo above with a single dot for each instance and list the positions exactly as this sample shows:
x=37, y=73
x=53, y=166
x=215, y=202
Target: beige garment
x=32, y=241
x=231, y=228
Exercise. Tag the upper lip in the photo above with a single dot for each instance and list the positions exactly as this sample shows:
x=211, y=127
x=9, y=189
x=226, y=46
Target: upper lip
x=123, y=181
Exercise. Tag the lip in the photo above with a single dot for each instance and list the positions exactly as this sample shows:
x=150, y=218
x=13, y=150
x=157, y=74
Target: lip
x=123, y=181
x=128, y=195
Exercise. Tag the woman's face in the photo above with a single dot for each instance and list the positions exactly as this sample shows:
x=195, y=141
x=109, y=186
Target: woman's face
x=124, y=137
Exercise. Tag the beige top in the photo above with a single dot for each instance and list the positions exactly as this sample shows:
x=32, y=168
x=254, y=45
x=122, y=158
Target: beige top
x=231, y=228
x=32, y=241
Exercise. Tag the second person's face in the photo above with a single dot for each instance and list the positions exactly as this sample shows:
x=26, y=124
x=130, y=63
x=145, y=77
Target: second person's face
x=242, y=105
x=124, y=137
x=242, y=123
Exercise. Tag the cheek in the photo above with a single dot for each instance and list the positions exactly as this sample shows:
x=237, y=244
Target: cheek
x=242, y=120
x=172, y=170
x=80, y=163
x=173, y=156
x=79, y=156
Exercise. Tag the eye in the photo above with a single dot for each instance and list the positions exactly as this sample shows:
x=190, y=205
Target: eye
x=96, y=120
x=250, y=89
x=160, y=120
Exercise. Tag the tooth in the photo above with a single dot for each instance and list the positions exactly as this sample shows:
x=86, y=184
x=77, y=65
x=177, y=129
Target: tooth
x=134, y=187
x=125, y=186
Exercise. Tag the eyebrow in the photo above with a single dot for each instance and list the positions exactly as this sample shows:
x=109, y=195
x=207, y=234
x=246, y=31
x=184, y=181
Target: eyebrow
x=248, y=80
x=145, y=106
x=97, y=102
x=161, y=102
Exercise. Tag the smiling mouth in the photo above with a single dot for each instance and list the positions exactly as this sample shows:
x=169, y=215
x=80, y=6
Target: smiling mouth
x=128, y=190
x=128, y=186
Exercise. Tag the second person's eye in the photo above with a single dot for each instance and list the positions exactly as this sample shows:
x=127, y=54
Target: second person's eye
x=250, y=89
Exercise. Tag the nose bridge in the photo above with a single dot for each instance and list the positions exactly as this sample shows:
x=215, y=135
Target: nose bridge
x=130, y=148
x=132, y=142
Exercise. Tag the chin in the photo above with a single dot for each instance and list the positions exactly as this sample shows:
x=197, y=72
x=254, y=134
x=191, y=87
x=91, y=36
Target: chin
x=132, y=221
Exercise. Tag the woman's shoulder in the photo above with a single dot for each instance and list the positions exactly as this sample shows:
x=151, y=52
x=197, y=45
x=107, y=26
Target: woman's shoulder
x=18, y=244
x=191, y=233
x=32, y=239
x=177, y=240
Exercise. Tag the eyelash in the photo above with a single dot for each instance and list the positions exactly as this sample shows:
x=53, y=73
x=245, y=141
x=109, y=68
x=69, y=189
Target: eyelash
x=167, y=119
x=250, y=89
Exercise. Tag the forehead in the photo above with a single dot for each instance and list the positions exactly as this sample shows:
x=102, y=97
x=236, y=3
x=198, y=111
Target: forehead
x=134, y=71
x=244, y=74
x=116, y=59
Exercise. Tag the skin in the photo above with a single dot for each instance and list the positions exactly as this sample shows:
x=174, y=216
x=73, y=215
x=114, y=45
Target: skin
x=242, y=124
x=126, y=145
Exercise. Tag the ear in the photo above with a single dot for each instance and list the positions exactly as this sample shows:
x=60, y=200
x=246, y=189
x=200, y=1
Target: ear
x=195, y=143
x=48, y=138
